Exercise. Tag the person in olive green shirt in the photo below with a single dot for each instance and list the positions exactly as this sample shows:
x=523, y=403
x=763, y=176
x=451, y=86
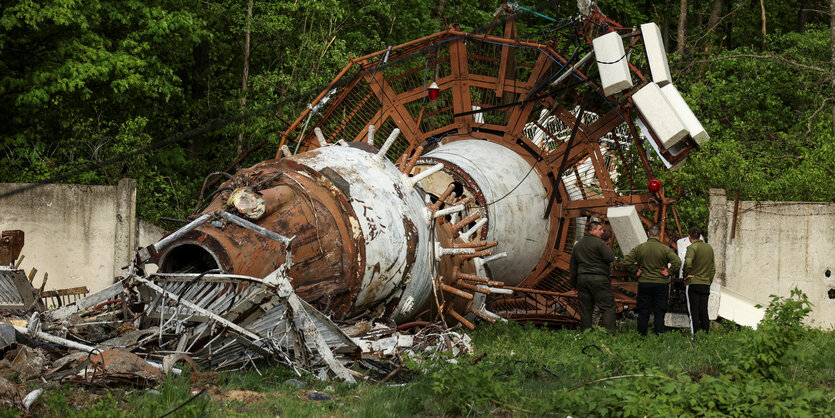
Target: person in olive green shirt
x=699, y=269
x=652, y=262
x=589, y=269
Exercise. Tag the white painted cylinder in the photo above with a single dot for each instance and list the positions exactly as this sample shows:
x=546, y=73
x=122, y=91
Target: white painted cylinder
x=381, y=155
x=390, y=216
x=370, y=138
x=514, y=197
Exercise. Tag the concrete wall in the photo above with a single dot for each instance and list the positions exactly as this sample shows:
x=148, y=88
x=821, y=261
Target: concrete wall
x=80, y=235
x=777, y=246
x=147, y=234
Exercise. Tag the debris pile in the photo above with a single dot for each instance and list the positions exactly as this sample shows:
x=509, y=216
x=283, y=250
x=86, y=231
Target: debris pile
x=136, y=329
x=142, y=327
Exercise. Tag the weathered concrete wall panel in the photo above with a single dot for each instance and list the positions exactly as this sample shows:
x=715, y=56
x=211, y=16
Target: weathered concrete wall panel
x=777, y=246
x=147, y=233
x=79, y=235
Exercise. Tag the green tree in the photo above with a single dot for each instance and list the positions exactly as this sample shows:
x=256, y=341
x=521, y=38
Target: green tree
x=83, y=82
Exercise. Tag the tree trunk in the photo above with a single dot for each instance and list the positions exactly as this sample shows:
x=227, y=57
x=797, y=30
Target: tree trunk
x=803, y=15
x=832, y=62
x=713, y=21
x=246, y=72
x=715, y=14
x=762, y=7
x=439, y=14
x=682, y=27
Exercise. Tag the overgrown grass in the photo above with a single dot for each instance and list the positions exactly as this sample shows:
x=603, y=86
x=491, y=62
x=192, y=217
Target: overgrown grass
x=594, y=374
x=517, y=369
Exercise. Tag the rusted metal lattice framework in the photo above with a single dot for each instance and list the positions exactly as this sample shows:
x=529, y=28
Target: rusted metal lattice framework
x=539, y=99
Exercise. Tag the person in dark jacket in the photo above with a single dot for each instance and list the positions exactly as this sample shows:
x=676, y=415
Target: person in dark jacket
x=699, y=269
x=590, y=266
x=652, y=262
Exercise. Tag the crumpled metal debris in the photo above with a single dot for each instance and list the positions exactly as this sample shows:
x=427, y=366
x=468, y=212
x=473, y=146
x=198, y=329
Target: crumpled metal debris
x=113, y=363
x=16, y=293
x=382, y=340
x=11, y=243
x=142, y=327
x=218, y=321
x=7, y=336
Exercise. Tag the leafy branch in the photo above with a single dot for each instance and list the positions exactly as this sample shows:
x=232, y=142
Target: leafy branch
x=767, y=57
x=814, y=114
x=621, y=377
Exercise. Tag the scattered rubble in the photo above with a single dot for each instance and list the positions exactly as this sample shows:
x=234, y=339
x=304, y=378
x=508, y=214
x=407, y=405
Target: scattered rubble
x=137, y=329
x=141, y=328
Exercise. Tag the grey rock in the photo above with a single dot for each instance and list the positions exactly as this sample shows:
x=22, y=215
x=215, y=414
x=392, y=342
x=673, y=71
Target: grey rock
x=318, y=396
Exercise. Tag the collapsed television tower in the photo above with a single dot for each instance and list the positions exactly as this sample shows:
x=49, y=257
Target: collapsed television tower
x=453, y=174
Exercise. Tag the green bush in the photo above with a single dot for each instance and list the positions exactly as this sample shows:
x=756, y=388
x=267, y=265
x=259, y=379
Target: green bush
x=761, y=354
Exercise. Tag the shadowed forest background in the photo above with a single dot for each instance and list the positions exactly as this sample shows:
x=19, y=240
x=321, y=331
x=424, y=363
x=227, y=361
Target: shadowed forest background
x=83, y=82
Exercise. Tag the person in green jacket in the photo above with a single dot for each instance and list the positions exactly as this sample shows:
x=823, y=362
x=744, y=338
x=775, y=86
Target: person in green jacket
x=699, y=269
x=589, y=269
x=652, y=262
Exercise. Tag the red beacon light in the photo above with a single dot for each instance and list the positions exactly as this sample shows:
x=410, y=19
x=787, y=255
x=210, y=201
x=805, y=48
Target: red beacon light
x=433, y=91
x=654, y=185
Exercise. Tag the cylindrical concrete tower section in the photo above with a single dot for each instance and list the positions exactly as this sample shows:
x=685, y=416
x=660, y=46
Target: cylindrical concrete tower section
x=393, y=218
x=503, y=186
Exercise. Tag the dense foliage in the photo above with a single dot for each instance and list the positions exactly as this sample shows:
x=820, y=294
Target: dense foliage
x=84, y=82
